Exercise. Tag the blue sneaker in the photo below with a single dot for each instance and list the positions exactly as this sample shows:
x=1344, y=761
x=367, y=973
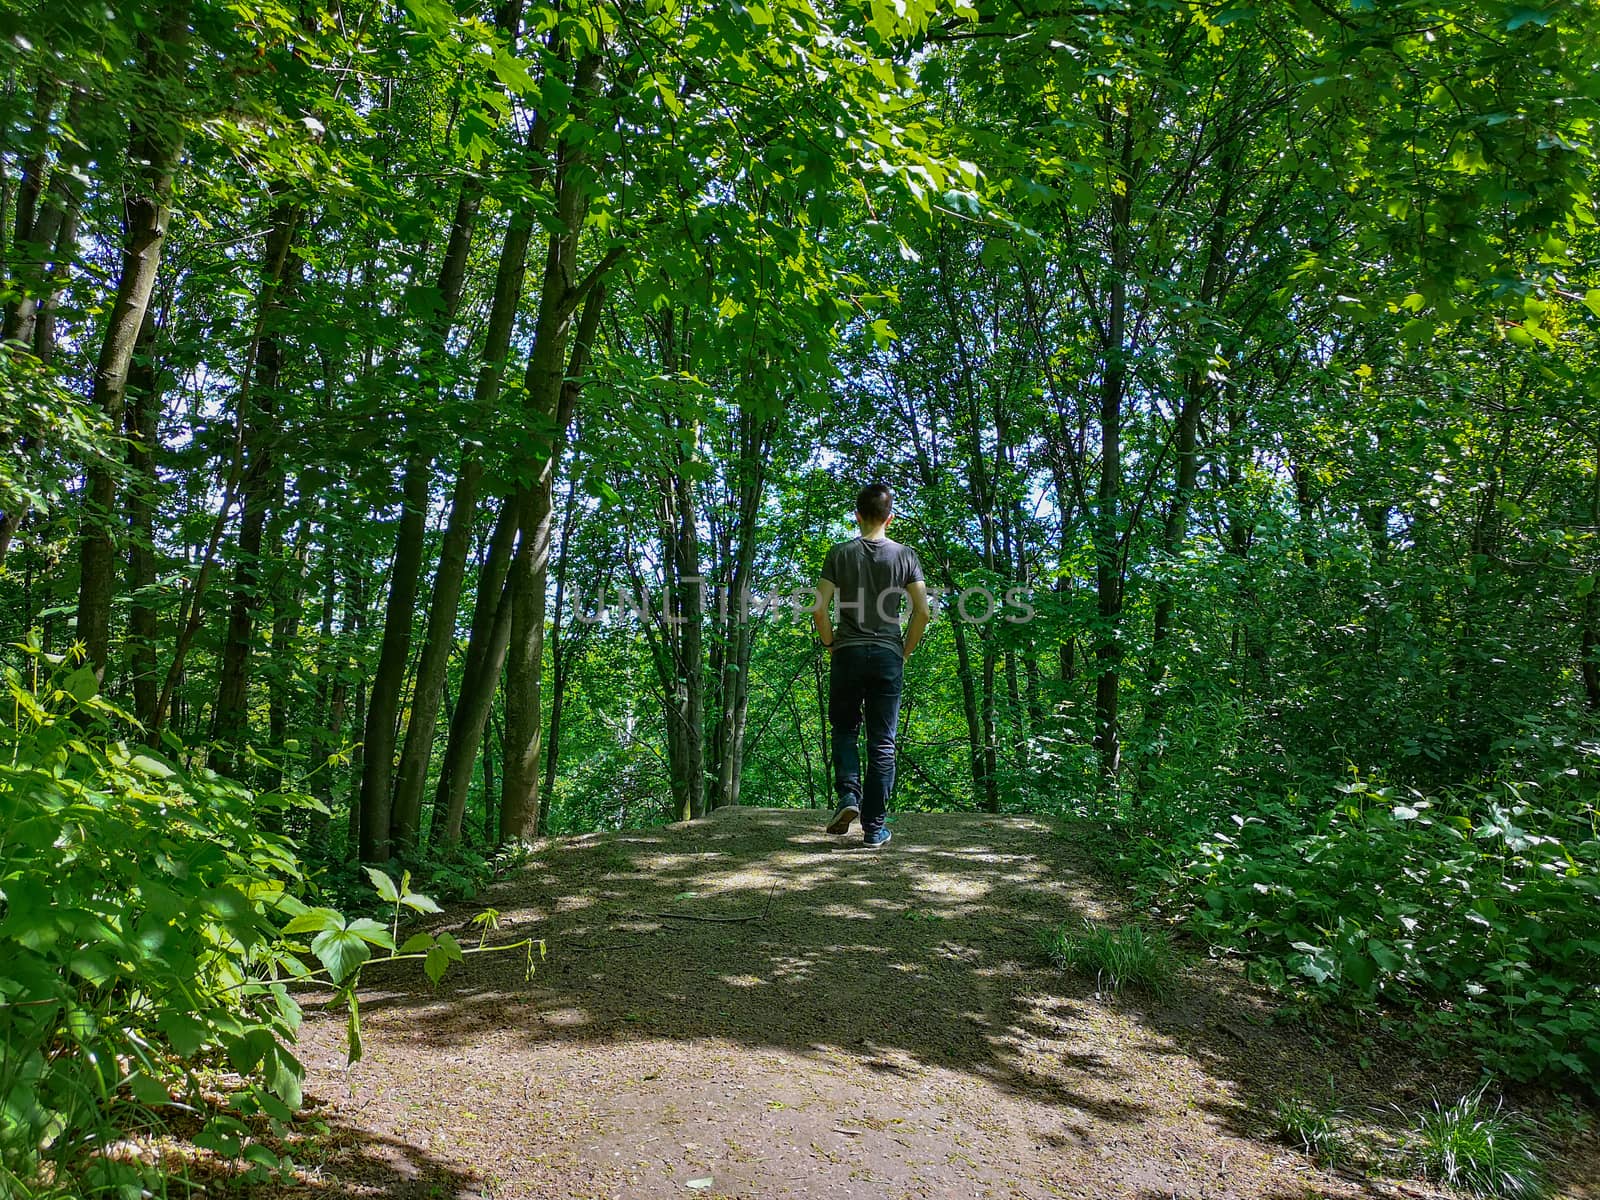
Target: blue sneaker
x=846, y=813
x=875, y=839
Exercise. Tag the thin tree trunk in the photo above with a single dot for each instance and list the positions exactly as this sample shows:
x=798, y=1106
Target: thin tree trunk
x=434, y=661
x=558, y=652
x=287, y=601
x=737, y=629
x=46, y=237
x=1173, y=533
x=1108, y=494
x=58, y=272
x=381, y=833
x=155, y=142
x=329, y=707
x=1589, y=634
x=491, y=822
x=143, y=415
x=480, y=678
x=553, y=385
x=260, y=484
x=191, y=613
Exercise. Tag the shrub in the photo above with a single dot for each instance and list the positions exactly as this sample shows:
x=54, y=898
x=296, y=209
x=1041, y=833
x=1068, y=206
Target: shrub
x=150, y=932
x=1474, y=909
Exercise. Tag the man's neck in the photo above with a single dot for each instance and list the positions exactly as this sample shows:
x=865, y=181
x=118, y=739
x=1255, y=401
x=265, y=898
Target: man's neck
x=873, y=533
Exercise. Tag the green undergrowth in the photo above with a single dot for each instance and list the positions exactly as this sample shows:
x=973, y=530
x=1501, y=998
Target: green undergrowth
x=157, y=935
x=1470, y=912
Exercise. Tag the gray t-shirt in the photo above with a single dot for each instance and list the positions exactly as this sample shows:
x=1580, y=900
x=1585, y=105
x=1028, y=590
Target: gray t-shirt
x=872, y=578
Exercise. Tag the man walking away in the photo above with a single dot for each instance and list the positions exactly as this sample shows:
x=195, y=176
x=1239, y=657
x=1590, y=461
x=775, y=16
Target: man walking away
x=870, y=576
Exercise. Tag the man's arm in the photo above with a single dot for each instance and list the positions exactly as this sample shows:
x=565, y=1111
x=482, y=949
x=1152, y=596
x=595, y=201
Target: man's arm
x=819, y=613
x=921, y=614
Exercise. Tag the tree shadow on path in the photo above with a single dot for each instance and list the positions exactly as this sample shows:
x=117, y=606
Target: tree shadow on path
x=787, y=1008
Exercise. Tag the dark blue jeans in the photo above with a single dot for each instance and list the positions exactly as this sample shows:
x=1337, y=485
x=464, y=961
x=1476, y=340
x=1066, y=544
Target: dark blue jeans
x=864, y=683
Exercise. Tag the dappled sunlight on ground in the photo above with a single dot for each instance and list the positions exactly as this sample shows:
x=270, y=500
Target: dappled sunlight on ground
x=750, y=1000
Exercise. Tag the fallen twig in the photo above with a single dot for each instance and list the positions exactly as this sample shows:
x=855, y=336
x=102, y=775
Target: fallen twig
x=672, y=916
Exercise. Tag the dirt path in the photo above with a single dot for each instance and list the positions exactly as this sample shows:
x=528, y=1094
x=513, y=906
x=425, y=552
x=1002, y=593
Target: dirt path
x=885, y=1027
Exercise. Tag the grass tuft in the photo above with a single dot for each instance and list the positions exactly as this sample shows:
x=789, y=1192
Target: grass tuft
x=1479, y=1148
x=1128, y=956
x=1314, y=1131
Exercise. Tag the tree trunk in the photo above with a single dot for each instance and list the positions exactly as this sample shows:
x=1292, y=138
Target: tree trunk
x=258, y=401
x=1173, y=532
x=559, y=652
x=143, y=415
x=329, y=708
x=383, y=830
x=552, y=386
x=1107, y=518
x=155, y=142
x=1589, y=633
x=45, y=240
x=480, y=678
x=288, y=589
x=733, y=688
x=434, y=662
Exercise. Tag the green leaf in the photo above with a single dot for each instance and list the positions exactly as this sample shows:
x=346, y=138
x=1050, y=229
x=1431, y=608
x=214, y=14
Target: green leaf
x=82, y=684
x=352, y=1027
x=184, y=1032
x=314, y=920
x=152, y=767
x=341, y=952
x=1592, y=299
x=148, y=1090
x=436, y=964
x=371, y=931
x=419, y=902
x=1387, y=959
x=283, y=1074
x=258, y=1154
x=387, y=891
x=416, y=943
x=444, y=952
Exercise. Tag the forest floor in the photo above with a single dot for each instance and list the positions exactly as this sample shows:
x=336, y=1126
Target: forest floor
x=868, y=1024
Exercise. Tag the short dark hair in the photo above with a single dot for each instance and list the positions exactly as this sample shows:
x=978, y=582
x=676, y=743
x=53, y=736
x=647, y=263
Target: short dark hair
x=875, y=503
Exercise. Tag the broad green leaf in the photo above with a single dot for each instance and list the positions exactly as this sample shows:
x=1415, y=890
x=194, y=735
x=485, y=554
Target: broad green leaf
x=314, y=920
x=340, y=951
x=371, y=931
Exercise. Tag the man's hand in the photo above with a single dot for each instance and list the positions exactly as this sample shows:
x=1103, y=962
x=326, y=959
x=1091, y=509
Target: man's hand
x=819, y=615
x=921, y=614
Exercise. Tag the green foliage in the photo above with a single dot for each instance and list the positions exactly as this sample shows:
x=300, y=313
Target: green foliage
x=1479, y=1148
x=141, y=937
x=1129, y=956
x=1566, y=1121
x=1473, y=909
x=51, y=427
x=152, y=931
